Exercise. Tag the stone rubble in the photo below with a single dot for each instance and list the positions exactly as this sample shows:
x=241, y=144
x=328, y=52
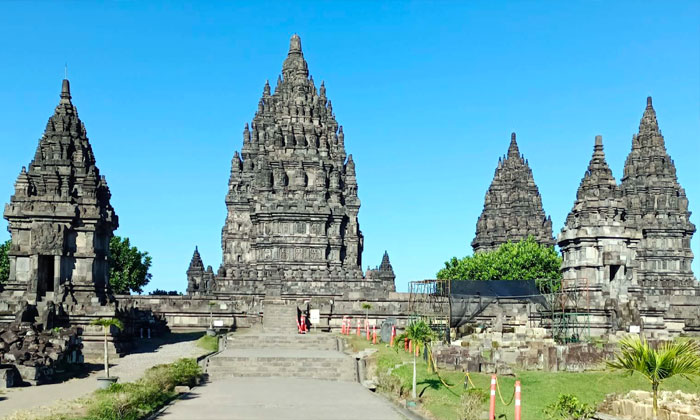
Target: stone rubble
x=35, y=355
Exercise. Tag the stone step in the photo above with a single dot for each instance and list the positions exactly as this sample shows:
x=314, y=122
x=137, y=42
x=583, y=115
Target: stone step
x=280, y=362
x=287, y=341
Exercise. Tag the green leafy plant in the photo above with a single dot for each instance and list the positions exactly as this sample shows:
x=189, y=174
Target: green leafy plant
x=524, y=260
x=128, y=267
x=568, y=407
x=4, y=261
x=366, y=306
x=106, y=324
x=420, y=333
x=679, y=357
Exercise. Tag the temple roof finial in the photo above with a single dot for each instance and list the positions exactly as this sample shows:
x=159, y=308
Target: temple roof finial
x=295, y=44
x=513, y=150
x=65, y=92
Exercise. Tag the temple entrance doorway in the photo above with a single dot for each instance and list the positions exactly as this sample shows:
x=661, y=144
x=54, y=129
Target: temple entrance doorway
x=45, y=275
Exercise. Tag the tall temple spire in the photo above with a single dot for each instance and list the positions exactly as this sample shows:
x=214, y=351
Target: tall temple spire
x=293, y=205
x=512, y=206
x=657, y=205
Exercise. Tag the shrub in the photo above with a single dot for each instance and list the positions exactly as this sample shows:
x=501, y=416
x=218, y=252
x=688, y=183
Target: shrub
x=568, y=407
x=471, y=404
x=135, y=400
x=389, y=383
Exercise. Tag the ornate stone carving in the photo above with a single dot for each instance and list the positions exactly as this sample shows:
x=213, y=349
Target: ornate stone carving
x=512, y=206
x=291, y=178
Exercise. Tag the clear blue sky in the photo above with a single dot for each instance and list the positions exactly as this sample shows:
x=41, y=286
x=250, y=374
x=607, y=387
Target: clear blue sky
x=428, y=94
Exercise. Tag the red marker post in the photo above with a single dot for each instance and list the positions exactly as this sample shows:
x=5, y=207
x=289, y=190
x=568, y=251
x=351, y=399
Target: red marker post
x=358, y=327
x=492, y=405
x=374, y=334
x=517, y=400
x=393, y=335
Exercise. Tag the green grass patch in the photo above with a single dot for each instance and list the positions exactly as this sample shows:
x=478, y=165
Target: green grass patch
x=539, y=389
x=208, y=343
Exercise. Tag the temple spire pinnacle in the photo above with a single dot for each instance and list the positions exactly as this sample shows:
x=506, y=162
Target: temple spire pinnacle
x=295, y=45
x=65, y=92
x=513, y=150
x=649, y=124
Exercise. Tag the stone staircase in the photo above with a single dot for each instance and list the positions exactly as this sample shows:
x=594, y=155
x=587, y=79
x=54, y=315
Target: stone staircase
x=279, y=317
x=278, y=351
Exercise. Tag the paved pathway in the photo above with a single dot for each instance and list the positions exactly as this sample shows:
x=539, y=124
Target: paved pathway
x=39, y=399
x=281, y=398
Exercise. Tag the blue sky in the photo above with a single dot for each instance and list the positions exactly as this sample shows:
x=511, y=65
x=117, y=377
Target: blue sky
x=427, y=92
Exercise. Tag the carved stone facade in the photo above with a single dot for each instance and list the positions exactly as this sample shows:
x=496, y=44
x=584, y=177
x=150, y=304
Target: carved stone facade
x=658, y=207
x=626, y=247
x=513, y=206
x=292, y=203
x=60, y=218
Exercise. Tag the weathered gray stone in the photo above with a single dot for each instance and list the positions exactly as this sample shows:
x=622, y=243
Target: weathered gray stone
x=60, y=217
x=626, y=248
x=512, y=207
x=292, y=225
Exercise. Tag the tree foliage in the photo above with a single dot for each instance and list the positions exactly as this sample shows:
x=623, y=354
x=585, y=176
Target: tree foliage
x=524, y=260
x=4, y=262
x=128, y=267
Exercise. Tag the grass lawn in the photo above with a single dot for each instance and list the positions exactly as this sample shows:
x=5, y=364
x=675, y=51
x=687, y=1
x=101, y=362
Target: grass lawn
x=208, y=343
x=538, y=388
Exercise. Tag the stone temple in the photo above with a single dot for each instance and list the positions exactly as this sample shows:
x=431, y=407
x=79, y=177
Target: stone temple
x=513, y=206
x=292, y=225
x=60, y=218
x=627, y=246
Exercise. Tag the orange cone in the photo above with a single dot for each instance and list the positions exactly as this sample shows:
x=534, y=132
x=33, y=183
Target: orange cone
x=492, y=404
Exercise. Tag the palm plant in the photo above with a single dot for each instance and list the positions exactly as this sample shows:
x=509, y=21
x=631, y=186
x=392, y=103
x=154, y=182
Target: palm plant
x=106, y=324
x=679, y=357
x=366, y=306
x=420, y=333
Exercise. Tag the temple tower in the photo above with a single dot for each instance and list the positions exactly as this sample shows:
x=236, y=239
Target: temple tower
x=513, y=206
x=292, y=200
x=657, y=206
x=598, y=247
x=60, y=218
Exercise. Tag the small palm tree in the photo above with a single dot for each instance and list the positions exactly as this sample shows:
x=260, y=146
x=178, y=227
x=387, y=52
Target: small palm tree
x=106, y=324
x=680, y=357
x=366, y=306
x=419, y=332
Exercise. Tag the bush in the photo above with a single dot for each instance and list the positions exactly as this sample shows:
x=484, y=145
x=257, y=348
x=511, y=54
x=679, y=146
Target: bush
x=568, y=407
x=135, y=400
x=390, y=384
x=471, y=404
